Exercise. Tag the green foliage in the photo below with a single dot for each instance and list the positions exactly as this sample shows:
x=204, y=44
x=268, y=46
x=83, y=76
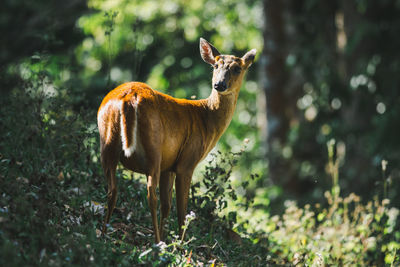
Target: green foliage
x=346, y=232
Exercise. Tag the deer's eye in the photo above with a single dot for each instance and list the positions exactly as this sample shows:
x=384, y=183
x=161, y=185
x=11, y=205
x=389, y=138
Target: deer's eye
x=237, y=69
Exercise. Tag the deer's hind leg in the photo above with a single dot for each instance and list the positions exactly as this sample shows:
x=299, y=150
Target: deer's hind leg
x=153, y=178
x=109, y=161
x=110, y=150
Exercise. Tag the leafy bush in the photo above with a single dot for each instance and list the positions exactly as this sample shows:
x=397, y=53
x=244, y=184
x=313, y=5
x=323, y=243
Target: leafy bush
x=47, y=173
x=344, y=233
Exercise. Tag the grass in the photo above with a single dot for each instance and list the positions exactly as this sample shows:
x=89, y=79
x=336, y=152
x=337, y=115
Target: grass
x=52, y=195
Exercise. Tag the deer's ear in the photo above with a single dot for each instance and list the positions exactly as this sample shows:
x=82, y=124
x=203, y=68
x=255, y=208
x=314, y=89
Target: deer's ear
x=248, y=58
x=208, y=52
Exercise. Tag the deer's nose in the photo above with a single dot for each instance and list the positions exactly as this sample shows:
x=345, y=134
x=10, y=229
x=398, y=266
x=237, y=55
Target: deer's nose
x=220, y=86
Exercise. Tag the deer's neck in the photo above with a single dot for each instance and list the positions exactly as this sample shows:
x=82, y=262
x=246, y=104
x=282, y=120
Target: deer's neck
x=220, y=109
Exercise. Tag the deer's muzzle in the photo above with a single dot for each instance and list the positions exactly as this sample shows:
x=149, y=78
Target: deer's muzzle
x=220, y=86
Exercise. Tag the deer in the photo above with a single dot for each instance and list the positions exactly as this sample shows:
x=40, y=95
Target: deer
x=165, y=138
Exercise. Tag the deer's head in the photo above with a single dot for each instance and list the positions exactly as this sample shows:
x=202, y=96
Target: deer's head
x=228, y=70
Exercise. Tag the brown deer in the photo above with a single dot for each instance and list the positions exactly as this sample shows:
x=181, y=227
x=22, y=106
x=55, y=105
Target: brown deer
x=164, y=137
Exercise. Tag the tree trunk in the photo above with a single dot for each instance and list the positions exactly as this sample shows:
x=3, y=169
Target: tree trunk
x=275, y=86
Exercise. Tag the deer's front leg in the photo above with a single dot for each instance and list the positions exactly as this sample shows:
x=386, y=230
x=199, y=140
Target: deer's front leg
x=182, y=186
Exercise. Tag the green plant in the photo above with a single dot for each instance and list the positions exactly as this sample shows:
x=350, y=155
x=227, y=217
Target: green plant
x=346, y=232
x=177, y=252
x=212, y=194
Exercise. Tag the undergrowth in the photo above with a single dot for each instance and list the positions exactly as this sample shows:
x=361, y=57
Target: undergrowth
x=52, y=195
x=340, y=232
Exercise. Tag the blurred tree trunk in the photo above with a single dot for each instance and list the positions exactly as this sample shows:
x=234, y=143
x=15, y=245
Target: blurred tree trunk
x=358, y=115
x=275, y=55
x=284, y=31
x=274, y=85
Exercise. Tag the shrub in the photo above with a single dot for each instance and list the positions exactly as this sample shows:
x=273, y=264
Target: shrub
x=344, y=233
